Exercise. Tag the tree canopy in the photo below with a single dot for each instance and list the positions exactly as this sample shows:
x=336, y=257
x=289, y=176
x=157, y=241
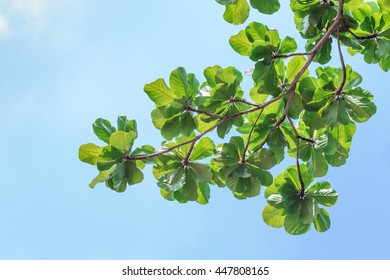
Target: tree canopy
x=289, y=112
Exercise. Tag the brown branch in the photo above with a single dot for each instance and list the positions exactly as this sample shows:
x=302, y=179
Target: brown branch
x=278, y=122
x=302, y=193
x=249, y=137
x=291, y=91
x=187, y=158
x=189, y=109
x=178, y=145
x=338, y=92
x=243, y=102
x=362, y=38
x=311, y=141
x=275, y=56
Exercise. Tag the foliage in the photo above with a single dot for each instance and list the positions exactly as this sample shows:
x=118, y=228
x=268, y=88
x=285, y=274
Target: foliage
x=310, y=117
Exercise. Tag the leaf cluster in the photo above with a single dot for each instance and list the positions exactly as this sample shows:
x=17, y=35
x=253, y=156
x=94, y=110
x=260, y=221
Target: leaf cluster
x=289, y=112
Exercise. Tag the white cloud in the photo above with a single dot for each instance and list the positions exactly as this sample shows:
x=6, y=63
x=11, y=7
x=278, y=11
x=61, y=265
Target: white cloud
x=3, y=26
x=30, y=8
x=35, y=19
x=20, y=17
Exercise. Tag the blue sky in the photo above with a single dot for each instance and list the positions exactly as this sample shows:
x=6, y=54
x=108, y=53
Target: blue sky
x=65, y=63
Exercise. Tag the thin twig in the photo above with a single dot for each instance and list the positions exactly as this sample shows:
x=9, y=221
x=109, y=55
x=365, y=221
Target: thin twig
x=362, y=38
x=187, y=158
x=291, y=91
x=302, y=194
x=189, y=109
x=338, y=92
x=311, y=141
x=275, y=56
x=243, y=158
x=243, y=102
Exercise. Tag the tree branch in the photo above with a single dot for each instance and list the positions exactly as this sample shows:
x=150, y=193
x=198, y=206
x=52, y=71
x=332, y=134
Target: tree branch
x=186, y=159
x=243, y=102
x=338, y=92
x=290, y=91
x=302, y=193
x=189, y=109
x=243, y=158
x=289, y=55
x=362, y=38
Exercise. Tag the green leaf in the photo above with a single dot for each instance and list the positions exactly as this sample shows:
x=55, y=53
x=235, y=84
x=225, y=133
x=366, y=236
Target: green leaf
x=202, y=171
x=294, y=66
x=203, y=193
x=268, y=158
x=308, y=211
x=293, y=225
x=126, y=125
x=336, y=113
x=179, y=83
x=277, y=140
x=103, y=129
x=288, y=45
x=362, y=108
x=173, y=181
x=189, y=191
x=384, y=5
x=122, y=121
x=292, y=174
x=256, y=31
x=262, y=50
x=275, y=199
x=89, y=153
x=338, y=158
x=122, y=140
x=322, y=221
x=171, y=128
x=353, y=78
x=323, y=193
x=133, y=174
x=312, y=120
x=118, y=175
x=292, y=201
x=103, y=176
x=159, y=92
x=273, y=216
x=323, y=55
x=266, y=6
x=119, y=186
x=317, y=164
x=264, y=177
x=226, y=2
x=167, y=195
x=237, y=12
x=158, y=117
x=296, y=107
x=188, y=124
x=203, y=149
x=108, y=157
x=240, y=43
x=267, y=76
